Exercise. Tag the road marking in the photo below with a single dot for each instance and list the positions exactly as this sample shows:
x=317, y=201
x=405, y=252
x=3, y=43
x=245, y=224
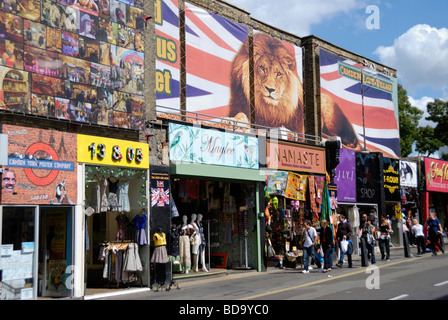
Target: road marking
x=363, y=270
x=441, y=284
x=400, y=297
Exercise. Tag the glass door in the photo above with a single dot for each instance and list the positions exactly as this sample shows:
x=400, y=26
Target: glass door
x=55, y=254
x=18, y=261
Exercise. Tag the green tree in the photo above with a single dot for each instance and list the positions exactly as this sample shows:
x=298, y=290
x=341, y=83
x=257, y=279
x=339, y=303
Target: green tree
x=426, y=143
x=438, y=113
x=409, y=117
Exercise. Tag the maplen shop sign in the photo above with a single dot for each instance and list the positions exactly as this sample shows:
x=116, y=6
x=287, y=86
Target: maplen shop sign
x=193, y=144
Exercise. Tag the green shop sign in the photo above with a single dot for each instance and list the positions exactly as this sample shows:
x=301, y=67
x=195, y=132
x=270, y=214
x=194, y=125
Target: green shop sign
x=194, y=144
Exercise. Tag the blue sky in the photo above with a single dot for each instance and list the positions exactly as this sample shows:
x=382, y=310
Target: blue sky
x=412, y=35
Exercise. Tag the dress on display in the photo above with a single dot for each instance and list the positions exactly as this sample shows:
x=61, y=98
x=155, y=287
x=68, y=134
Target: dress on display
x=104, y=203
x=159, y=255
x=123, y=197
x=122, y=221
x=96, y=197
x=140, y=226
x=112, y=198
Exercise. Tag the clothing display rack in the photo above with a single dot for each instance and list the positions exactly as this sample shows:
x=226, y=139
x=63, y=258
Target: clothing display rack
x=121, y=262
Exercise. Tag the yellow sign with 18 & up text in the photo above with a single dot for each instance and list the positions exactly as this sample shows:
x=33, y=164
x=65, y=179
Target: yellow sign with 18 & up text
x=112, y=152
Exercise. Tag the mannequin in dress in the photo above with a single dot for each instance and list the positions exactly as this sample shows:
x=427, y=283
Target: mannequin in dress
x=202, y=245
x=184, y=245
x=195, y=240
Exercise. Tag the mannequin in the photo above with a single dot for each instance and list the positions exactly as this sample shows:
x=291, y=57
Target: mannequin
x=202, y=245
x=195, y=240
x=184, y=245
x=160, y=256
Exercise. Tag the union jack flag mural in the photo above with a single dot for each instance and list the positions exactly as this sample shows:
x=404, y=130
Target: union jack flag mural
x=211, y=45
x=367, y=98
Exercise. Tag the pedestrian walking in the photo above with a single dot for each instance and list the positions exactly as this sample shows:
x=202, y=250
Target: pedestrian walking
x=367, y=231
x=419, y=236
x=384, y=238
x=434, y=231
x=326, y=241
x=344, y=232
x=309, y=236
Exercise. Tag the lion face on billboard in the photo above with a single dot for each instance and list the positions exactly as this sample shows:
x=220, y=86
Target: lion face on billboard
x=278, y=92
x=277, y=86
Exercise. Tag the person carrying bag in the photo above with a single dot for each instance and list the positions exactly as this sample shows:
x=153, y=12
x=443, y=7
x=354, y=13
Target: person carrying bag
x=309, y=237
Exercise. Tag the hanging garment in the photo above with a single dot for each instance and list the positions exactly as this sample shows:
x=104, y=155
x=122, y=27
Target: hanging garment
x=173, y=249
x=184, y=251
x=133, y=262
x=140, y=227
x=123, y=197
x=112, y=199
x=96, y=197
x=122, y=221
x=104, y=203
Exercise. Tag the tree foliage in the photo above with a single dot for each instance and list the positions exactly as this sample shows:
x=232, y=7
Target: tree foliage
x=409, y=117
x=426, y=144
x=438, y=113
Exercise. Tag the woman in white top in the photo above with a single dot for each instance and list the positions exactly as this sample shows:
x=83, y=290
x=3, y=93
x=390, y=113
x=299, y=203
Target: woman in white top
x=417, y=230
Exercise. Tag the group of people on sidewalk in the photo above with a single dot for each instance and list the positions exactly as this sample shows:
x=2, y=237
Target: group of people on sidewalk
x=368, y=234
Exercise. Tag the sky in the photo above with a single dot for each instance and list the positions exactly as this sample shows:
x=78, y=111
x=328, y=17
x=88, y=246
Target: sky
x=410, y=36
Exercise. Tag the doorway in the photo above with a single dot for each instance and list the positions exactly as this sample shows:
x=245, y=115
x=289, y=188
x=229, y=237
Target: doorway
x=55, y=252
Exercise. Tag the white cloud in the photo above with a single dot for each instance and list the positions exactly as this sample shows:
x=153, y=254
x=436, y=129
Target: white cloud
x=297, y=16
x=421, y=104
x=420, y=56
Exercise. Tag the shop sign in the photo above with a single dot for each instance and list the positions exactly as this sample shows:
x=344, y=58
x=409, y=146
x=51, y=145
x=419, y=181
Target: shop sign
x=436, y=175
x=408, y=174
x=367, y=178
x=113, y=152
x=294, y=157
x=41, y=167
x=345, y=176
x=391, y=179
x=194, y=144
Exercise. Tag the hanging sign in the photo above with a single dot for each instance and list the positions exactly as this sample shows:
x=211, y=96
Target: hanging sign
x=113, y=152
x=391, y=179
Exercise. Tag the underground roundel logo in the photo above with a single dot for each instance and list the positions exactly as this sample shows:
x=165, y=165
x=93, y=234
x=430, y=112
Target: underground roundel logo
x=42, y=181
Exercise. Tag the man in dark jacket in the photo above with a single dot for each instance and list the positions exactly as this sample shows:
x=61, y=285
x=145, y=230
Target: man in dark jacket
x=344, y=232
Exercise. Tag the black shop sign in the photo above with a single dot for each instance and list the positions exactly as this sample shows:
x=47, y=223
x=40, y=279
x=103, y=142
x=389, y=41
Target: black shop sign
x=367, y=178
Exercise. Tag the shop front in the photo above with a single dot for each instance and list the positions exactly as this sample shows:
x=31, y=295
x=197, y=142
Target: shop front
x=434, y=197
x=113, y=176
x=38, y=204
x=296, y=190
x=215, y=186
x=391, y=183
x=357, y=179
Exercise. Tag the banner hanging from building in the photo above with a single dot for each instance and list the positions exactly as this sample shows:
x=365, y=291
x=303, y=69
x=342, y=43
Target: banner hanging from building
x=408, y=174
x=345, y=176
x=212, y=43
x=362, y=99
x=367, y=178
x=391, y=179
x=167, y=55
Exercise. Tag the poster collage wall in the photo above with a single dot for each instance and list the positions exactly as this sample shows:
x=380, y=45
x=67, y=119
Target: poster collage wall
x=78, y=60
